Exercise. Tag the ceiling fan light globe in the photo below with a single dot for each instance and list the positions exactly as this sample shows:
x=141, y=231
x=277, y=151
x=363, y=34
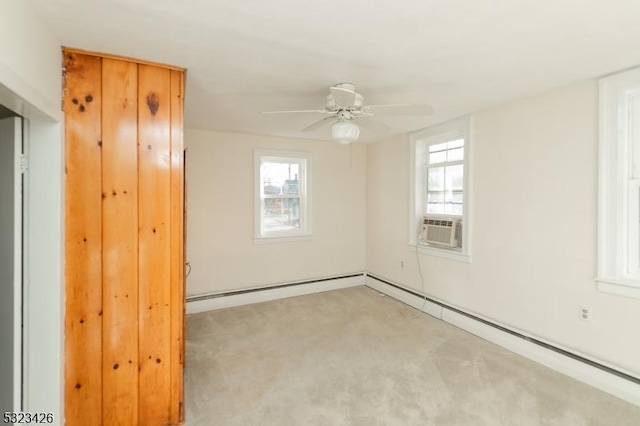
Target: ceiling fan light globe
x=345, y=132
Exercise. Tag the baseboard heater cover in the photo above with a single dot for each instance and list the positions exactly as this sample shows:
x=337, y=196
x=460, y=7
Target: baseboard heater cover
x=539, y=343
x=206, y=302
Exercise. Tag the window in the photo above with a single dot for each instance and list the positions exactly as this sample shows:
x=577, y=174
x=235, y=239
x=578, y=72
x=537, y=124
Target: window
x=619, y=184
x=445, y=173
x=440, y=184
x=282, y=188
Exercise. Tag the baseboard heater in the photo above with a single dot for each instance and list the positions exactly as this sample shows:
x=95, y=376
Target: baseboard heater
x=561, y=351
x=270, y=287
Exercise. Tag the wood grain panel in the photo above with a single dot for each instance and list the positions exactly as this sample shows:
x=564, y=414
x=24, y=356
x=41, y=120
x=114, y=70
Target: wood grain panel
x=177, y=248
x=154, y=137
x=124, y=242
x=120, y=242
x=83, y=241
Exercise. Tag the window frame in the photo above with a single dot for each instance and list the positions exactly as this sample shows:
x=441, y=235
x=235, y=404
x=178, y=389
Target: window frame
x=618, y=177
x=419, y=142
x=303, y=159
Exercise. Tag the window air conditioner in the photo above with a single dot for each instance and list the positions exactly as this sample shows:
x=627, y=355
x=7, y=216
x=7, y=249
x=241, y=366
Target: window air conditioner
x=441, y=231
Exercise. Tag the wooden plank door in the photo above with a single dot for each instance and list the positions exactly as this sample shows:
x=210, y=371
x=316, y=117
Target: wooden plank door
x=124, y=322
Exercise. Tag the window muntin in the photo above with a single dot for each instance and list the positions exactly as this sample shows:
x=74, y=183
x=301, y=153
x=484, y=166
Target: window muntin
x=282, y=195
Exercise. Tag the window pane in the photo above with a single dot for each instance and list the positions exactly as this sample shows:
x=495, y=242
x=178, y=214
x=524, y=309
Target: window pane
x=455, y=154
x=281, y=214
x=437, y=157
x=435, y=208
x=458, y=143
x=280, y=178
x=290, y=186
x=454, y=177
x=270, y=189
x=435, y=179
x=438, y=147
x=455, y=209
x=435, y=197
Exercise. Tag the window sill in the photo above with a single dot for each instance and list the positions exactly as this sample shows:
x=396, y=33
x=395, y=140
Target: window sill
x=282, y=239
x=450, y=254
x=619, y=287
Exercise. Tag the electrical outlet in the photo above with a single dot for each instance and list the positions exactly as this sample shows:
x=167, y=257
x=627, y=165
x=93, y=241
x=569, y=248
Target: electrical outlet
x=584, y=313
x=402, y=263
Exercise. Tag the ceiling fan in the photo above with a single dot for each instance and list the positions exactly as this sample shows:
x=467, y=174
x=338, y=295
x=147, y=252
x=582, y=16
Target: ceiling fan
x=344, y=106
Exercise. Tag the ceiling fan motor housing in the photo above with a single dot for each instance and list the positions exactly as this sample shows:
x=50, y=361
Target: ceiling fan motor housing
x=331, y=105
x=355, y=99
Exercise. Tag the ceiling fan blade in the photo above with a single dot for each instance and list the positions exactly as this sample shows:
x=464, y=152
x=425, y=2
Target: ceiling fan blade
x=343, y=97
x=372, y=125
x=318, y=111
x=398, y=109
x=319, y=124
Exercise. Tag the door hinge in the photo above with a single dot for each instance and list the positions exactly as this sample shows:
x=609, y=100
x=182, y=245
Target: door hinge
x=24, y=165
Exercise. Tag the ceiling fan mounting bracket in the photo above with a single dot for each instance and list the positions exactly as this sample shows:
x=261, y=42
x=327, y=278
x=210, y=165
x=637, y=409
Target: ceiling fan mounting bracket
x=347, y=86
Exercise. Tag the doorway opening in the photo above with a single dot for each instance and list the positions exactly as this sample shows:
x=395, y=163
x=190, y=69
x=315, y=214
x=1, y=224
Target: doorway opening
x=11, y=260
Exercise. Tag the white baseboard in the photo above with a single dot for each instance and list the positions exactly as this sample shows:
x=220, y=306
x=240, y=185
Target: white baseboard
x=428, y=307
x=593, y=376
x=257, y=295
x=586, y=373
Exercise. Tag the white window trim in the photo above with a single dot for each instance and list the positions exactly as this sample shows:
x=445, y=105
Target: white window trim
x=305, y=232
x=618, y=95
x=461, y=127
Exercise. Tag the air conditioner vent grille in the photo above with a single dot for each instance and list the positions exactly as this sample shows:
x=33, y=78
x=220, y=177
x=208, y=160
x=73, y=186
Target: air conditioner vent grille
x=441, y=231
x=438, y=222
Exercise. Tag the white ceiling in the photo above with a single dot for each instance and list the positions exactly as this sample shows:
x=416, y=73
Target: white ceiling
x=247, y=56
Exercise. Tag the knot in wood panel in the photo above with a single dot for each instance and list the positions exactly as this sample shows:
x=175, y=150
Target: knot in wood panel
x=153, y=102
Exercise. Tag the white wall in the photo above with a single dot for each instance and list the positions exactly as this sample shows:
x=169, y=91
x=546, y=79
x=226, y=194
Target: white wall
x=534, y=171
x=30, y=84
x=30, y=62
x=220, y=246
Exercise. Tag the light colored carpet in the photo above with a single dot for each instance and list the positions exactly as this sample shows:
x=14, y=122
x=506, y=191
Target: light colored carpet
x=352, y=357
